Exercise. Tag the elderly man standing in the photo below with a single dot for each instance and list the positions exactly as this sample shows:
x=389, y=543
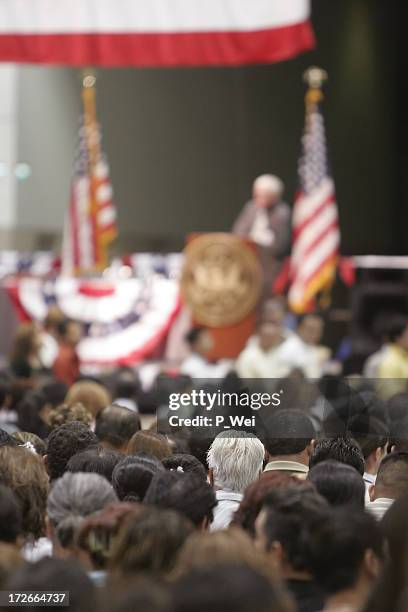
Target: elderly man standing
x=266, y=221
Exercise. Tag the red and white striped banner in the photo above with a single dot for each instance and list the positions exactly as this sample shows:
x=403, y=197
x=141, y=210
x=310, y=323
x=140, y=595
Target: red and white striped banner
x=154, y=32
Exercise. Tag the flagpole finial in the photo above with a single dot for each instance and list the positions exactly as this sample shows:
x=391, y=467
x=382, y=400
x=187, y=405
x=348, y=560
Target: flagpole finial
x=88, y=79
x=315, y=77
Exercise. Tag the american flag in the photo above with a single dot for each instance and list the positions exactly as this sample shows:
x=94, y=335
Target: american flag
x=316, y=236
x=90, y=224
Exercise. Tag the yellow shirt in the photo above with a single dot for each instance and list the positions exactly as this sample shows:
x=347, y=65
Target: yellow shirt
x=393, y=366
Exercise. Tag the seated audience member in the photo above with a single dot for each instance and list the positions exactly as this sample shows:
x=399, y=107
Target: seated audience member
x=149, y=543
x=197, y=364
x=290, y=448
x=284, y=530
x=49, y=337
x=149, y=442
x=56, y=575
x=133, y=474
x=228, y=588
x=94, y=396
x=25, y=353
x=391, y=483
x=30, y=441
x=260, y=358
x=66, y=413
x=345, y=450
x=346, y=558
x=255, y=495
x=72, y=498
x=23, y=472
x=339, y=483
x=301, y=351
x=31, y=413
x=235, y=461
x=185, y=493
x=95, y=461
x=115, y=425
x=394, y=364
x=126, y=389
x=63, y=443
x=11, y=529
x=66, y=367
x=372, y=436
x=182, y=462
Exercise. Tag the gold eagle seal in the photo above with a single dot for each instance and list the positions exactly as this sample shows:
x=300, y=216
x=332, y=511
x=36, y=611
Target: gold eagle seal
x=221, y=279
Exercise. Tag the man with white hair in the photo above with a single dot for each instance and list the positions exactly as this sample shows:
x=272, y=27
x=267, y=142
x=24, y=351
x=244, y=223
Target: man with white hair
x=235, y=460
x=266, y=221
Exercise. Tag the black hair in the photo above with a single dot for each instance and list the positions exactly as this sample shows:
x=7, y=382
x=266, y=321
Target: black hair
x=369, y=432
x=392, y=474
x=339, y=546
x=193, y=335
x=95, y=460
x=126, y=384
x=227, y=587
x=292, y=432
x=291, y=515
x=397, y=406
x=185, y=463
x=396, y=327
x=339, y=483
x=6, y=439
x=54, y=392
x=182, y=492
x=199, y=447
x=10, y=516
x=399, y=434
x=132, y=476
x=5, y=387
x=64, y=442
x=52, y=574
x=62, y=326
x=346, y=450
x=116, y=425
x=29, y=413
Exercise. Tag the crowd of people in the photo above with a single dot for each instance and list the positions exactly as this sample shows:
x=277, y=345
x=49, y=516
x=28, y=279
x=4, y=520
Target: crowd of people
x=97, y=500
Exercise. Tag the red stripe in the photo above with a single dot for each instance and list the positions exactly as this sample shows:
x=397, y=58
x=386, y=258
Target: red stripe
x=327, y=230
x=166, y=49
x=297, y=229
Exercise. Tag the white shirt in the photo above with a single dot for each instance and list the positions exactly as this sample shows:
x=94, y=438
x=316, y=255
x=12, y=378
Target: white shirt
x=228, y=503
x=379, y=507
x=369, y=479
x=254, y=362
x=296, y=354
x=197, y=367
x=261, y=233
x=48, y=350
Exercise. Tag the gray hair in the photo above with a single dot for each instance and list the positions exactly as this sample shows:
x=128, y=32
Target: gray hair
x=270, y=183
x=236, y=458
x=74, y=497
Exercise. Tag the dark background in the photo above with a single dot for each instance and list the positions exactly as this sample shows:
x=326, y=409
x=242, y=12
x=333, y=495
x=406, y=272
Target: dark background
x=184, y=145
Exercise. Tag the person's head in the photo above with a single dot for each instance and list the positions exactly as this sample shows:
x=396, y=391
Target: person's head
x=53, y=319
x=339, y=483
x=50, y=574
x=347, y=552
x=26, y=342
x=126, y=384
x=371, y=435
x=72, y=498
x=10, y=516
x=274, y=311
x=185, y=493
x=30, y=441
x=54, y=392
x=392, y=477
x=228, y=588
x=6, y=439
x=23, y=472
x=256, y=493
x=149, y=442
x=235, y=460
x=115, y=425
x=345, y=450
x=397, y=407
x=398, y=331
x=188, y=464
x=289, y=434
x=31, y=412
x=64, y=442
x=96, y=461
x=133, y=474
x=70, y=332
x=269, y=334
x=200, y=341
x=310, y=328
x=149, y=543
x=90, y=394
x=66, y=413
x=267, y=190
x=399, y=435
x=285, y=525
